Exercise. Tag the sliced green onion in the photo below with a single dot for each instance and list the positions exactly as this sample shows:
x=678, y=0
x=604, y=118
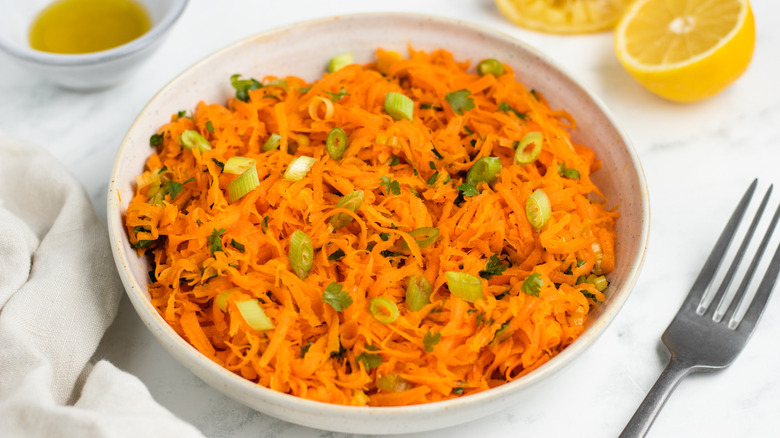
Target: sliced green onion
x=383, y=309
x=336, y=143
x=464, y=286
x=351, y=202
x=537, y=209
x=418, y=292
x=272, y=142
x=425, y=236
x=600, y=282
x=399, y=106
x=245, y=183
x=238, y=165
x=190, y=139
x=281, y=83
x=485, y=169
x=599, y=255
x=299, y=167
x=522, y=156
x=490, y=67
x=301, y=254
x=393, y=383
x=221, y=300
x=254, y=315
x=338, y=62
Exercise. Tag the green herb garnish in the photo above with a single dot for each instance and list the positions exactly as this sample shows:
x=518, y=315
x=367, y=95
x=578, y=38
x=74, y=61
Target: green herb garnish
x=336, y=297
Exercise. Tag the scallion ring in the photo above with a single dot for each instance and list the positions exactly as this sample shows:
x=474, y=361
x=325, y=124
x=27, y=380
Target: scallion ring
x=351, y=202
x=298, y=168
x=340, y=61
x=399, y=106
x=485, y=169
x=464, y=286
x=221, y=300
x=301, y=254
x=336, y=143
x=537, y=209
x=600, y=282
x=523, y=156
x=254, y=315
x=245, y=183
x=425, y=236
x=418, y=292
x=238, y=165
x=490, y=67
x=272, y=142
x=383, y=309
x=190, y=139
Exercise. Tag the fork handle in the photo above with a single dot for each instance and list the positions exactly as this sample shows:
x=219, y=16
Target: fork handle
x=644, y=416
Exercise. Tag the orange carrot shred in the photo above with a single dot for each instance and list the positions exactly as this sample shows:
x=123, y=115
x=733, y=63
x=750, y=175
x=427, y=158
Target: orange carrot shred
x=322, y=342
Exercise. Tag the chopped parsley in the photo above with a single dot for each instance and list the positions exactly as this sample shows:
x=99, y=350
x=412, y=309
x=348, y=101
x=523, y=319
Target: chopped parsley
x=437, y=153
x=394, y=161
x=533, y=284
x=468, y=189
x=458, y=391
x=565, y=172
x=215, y=241
x=533, y=93
x=336, y=255
x=432, y=180
x=264, y=225
x=493, y=268
x=505, y=107
x=430, y=340
x=335, y=97
x=181, y=113
x=384, y=236
x=305, y=349
x=391, y=186
x=156, y=139
x=460, y=101
x=589, y=295
x=337, y=298
x=369, y=360
x=209, y=127
x=143, y=244
x=244, y=86
x=220, y=164
x=431, y=106
x=240, y=247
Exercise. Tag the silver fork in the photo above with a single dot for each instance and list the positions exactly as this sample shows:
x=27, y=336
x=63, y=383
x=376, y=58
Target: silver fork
x=698, y=338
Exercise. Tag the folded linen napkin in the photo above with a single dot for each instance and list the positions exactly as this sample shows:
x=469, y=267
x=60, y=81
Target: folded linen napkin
x=59, y=292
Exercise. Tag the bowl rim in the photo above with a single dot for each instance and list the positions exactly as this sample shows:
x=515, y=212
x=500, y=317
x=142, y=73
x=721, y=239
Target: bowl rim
x=59, y=59
x=180, y=348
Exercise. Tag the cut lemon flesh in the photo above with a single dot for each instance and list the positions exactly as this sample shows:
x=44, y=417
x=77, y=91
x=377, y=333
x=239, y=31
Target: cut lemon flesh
x=564, y=16
x=686, y=50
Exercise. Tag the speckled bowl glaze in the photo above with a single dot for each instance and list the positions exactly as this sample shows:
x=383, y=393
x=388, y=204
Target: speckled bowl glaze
x=303, y=50
x=88, y=71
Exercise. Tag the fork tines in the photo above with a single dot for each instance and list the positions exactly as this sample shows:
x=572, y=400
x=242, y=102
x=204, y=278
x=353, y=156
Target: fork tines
x=696, y=298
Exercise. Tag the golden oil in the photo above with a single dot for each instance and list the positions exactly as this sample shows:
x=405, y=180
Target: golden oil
x=85, y=26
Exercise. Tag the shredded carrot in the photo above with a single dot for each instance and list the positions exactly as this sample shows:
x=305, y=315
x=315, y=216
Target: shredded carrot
x=200, y=244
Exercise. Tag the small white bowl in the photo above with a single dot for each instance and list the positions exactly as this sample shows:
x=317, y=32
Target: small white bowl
x=88, y=71
x=303, y=50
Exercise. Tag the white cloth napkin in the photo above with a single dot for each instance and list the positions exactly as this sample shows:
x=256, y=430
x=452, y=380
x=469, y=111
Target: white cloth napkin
x=59, y=292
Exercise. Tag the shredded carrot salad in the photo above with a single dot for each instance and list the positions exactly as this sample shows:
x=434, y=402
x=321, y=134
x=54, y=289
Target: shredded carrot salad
x=325, y=337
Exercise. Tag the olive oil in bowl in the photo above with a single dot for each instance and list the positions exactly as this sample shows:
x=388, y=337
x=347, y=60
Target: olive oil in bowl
x=86, y=26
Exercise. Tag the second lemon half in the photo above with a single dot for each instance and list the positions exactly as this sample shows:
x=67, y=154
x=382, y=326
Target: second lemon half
x=686, y=50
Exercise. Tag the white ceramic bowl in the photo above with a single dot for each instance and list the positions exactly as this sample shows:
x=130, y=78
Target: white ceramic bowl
x=303, y=50
x=89, y=71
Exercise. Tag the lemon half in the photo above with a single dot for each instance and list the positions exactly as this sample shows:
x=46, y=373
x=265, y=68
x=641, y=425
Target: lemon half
x=686, y=50
x=564, y=16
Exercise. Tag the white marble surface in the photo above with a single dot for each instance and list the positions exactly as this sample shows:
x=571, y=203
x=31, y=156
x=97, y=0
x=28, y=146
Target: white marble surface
x=698, y=160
